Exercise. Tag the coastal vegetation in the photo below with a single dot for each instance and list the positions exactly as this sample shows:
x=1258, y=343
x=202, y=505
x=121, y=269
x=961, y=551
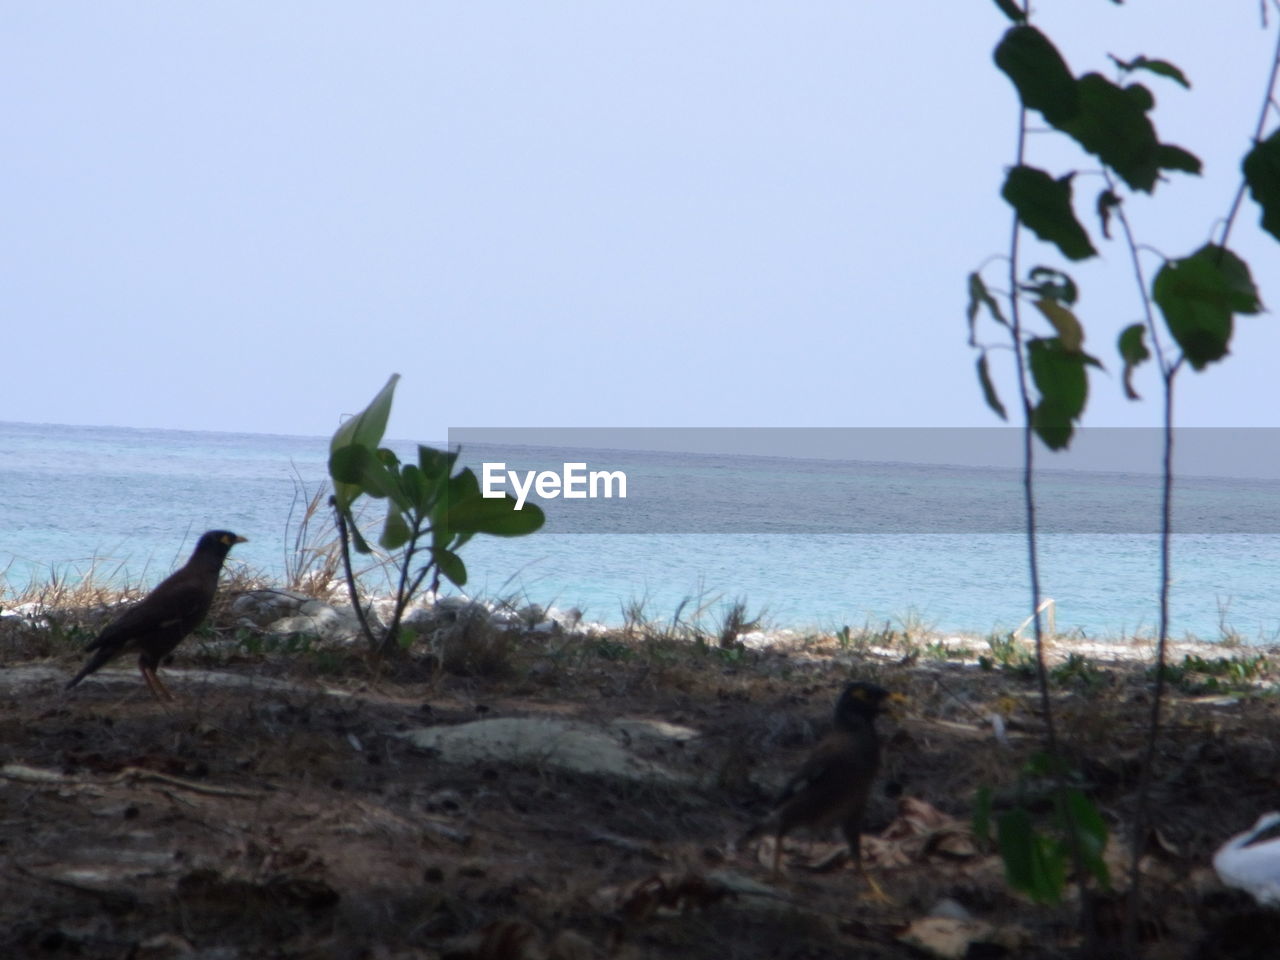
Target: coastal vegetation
x=1198, y=294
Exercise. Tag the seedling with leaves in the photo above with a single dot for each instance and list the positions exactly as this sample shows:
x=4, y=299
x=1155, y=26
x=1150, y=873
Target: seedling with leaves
x=431, y=511
x=1199, y=294
x=1036, y=859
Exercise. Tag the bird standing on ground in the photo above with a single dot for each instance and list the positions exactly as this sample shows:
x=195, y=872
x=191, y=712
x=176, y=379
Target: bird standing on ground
x=833, y=785
x=157, y=623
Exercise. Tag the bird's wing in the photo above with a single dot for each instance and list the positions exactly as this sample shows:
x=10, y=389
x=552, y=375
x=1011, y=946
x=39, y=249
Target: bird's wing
x=828, y=760
x=177, y=603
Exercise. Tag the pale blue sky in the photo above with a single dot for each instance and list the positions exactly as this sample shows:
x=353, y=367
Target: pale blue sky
x=244, y=216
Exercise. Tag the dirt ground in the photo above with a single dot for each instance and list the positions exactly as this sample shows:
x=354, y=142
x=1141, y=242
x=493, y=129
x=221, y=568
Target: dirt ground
x=276, y=810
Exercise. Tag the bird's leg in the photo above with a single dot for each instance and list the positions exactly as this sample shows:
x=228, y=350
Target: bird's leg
x=876, y=893
x=158, y=689
x=853, y=834
x=777, y=853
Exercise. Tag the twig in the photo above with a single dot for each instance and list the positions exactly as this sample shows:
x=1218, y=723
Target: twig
x=22, y=773
x=351, y=580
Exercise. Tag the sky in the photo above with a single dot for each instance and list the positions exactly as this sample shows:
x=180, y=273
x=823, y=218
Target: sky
x=244, y=216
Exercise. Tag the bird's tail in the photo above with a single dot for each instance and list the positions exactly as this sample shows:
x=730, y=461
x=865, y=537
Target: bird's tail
x=97, y=660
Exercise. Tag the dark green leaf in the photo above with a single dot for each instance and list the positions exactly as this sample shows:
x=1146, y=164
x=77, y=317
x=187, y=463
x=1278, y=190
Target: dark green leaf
x=1199, y=295
x=358, y=541
x=1161, y=68
x=364, y=429
x=1052, y=284
x=1133, y=350
x=496, y=516
x=450, y=565
x=1042, y=77
x=1060, y=377
x=1262, y=173
x=1044, y=205
x=980, y=296
x=347, y=464
x=1031, y=865
x=1070, y=333
x=1170, y=157
x=989, y=389
x=1012, y=11
x=1106, y=201
x=1112, y=126
x=419, y=489
x=366, y=472
x=1091, y=831
x=395, y=531
x=435, y=464
x=1140, y=95
x=982, y=815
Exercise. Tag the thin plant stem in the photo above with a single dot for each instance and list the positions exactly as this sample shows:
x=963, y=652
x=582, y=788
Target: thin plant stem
x=343, y=537
x=1267, y=103
x=1028, y=486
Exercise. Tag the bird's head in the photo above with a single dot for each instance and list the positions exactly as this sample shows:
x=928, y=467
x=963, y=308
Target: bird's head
x=862, y=701
x=218, y=543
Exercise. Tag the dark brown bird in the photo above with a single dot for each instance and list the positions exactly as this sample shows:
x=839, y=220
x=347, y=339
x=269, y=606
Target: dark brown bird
x=833, y=785
x=158, y=622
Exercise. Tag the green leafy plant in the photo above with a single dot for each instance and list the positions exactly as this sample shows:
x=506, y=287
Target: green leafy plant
x=1198, y=294
x=1009, y=655
x=431, y=512
x=1080, y=672
x=1036, y=859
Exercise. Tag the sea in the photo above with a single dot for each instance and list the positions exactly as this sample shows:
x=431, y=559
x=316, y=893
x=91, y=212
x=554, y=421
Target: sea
x=809, y=543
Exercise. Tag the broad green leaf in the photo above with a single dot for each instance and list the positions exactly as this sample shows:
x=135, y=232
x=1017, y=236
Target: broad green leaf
x=1262, y=173
x=1133, y=350
x=1106, y=202
x=1161, y=68
x=1199, y=295
x=1031, y=865
x=1037, y=69
x=1170, y=157
x=420, y=489
x=980, y=296
x=395, y=531
x=435, y=464
x=1044, y=205
x=496, y=516
x=1070, y=333
x=1142, y=97
x=1011, y=10
x=1091, y=831
x=364, y=429
x=1112, y=125
x=1052, y=284
x=450, y=565
x=347, y=464
x=989, y=389
x=367, y=472
x=1060, y=377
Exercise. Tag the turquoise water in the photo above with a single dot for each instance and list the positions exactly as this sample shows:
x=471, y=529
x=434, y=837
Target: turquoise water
x=134, y=501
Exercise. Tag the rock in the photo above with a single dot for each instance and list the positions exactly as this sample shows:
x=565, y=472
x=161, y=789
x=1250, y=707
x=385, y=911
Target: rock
x=560, y=743
x=318, y=619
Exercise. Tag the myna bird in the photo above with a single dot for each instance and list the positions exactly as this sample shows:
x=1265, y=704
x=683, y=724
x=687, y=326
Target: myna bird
x=157, y=623
x=833, y=785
